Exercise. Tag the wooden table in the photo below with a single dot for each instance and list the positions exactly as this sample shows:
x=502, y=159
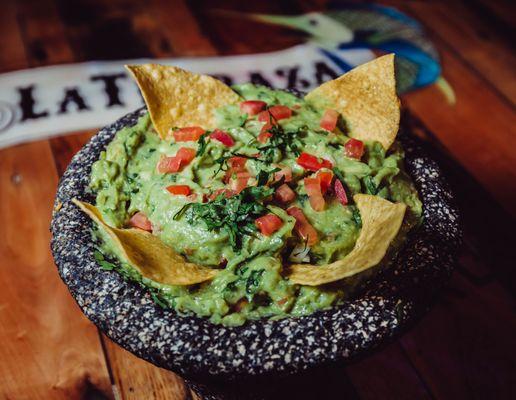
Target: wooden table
x=463, y=349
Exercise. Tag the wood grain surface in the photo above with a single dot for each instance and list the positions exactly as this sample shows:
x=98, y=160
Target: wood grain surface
x=463, y=349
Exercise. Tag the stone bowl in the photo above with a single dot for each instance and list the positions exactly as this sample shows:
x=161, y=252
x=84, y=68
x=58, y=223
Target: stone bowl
x=203, y=352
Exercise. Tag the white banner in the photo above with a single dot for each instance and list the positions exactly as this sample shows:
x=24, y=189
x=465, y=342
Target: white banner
x=43, y=102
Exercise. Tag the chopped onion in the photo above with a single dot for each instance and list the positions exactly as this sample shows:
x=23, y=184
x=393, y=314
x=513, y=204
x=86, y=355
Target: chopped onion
x=300, y=253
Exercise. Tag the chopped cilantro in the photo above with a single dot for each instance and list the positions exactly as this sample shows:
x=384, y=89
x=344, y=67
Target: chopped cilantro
x=253, y=281
x=202, y=144
x=369, y=185
x=264, y=176
x=235, y=215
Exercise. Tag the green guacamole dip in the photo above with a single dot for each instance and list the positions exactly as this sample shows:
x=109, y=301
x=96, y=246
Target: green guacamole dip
x=250, y=284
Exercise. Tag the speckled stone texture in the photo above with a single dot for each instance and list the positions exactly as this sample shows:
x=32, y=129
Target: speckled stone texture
x=200, y=350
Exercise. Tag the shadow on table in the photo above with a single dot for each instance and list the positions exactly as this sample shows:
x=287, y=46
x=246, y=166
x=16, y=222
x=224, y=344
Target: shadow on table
x=324, y=383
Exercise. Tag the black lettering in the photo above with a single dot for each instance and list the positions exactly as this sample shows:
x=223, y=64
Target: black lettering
x=256, y=78
x=293, y=80
x=111, y=87
x=224, y=78
x=27, y=104
x=321, y=70
x=72, y=96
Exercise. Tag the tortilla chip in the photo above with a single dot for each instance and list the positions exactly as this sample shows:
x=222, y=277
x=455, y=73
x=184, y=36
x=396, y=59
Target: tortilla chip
x=381, y=221
x=366, y=98
x=149, y=255
x=176, y=98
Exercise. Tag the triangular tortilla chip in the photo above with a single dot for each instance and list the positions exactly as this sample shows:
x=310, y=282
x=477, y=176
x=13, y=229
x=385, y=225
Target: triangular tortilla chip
x=381, y=221
x=177, y=98
x=366, y=98
x=149, y=255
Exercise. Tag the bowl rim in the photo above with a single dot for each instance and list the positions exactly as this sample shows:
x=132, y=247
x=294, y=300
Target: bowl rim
x=194, y=347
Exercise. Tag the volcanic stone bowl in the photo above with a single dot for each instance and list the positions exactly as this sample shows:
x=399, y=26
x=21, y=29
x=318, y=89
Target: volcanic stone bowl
x=203, y=352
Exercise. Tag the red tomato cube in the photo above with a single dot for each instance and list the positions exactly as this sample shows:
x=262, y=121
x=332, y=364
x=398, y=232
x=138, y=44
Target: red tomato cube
x=268, y=224
x=329, y=120
x=312, y=163
x=188, y=134
x=169, y=164
x=325, y=178
x=354, y=148
x=284, y=194
x=222, y=137
x=302, y=227
x=140, y=221
x=280, y=112
x=315, y=196
x=252, y=107
x=340, y=192
x=183, y=190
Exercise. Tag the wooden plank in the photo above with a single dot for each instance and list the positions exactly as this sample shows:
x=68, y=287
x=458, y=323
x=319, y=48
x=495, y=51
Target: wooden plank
x=501, y=12
x=12, y=51
x=132, y=377
x=232, y=34
x=387, y=374
x=478, y=130
x=473, y=39
x=464, y=347
x=466, y=128
x=181, y=29
x=49, y=349
x=137, y=379
x=41, y=356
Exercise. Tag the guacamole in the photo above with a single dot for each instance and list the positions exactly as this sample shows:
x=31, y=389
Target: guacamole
x=271, y=186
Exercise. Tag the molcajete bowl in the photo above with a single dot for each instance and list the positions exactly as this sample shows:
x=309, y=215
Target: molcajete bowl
x=199, y=350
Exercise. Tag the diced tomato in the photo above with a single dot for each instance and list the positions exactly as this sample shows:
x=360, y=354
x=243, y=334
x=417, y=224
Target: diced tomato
x=222, y=137
x=264, y=136
x=240, y=181
x=188, y=134
x=268, y=224
x=179, y=189
x=284, y=194
x=173, y=164
x=240, y=304
x=185, y=154
x=227, y=193
x=285, y=173
x=168, y=164
x=325, y=178
x=312, y=163
x=340, y=192
x=265, y=133
x=237, y=163
x=303, y=228
x=315, y=196
x=329, y=120
x=280, y=112
x=140, y=221
x=354, y=148
x=265, y=116
x=282, y=301
x=252, y=107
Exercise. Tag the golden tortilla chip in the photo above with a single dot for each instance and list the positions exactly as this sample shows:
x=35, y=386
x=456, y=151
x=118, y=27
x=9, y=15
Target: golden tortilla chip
x=176, y=98
x=149, y=255
x=381, y=221
x=366, y=98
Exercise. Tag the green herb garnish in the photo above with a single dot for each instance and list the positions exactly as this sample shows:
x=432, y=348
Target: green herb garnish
x=369, y=185
x=235, y=215
x=283, y=141
x=253, y=281
x=105, y=265
x=202, y=144
x=264, y=175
